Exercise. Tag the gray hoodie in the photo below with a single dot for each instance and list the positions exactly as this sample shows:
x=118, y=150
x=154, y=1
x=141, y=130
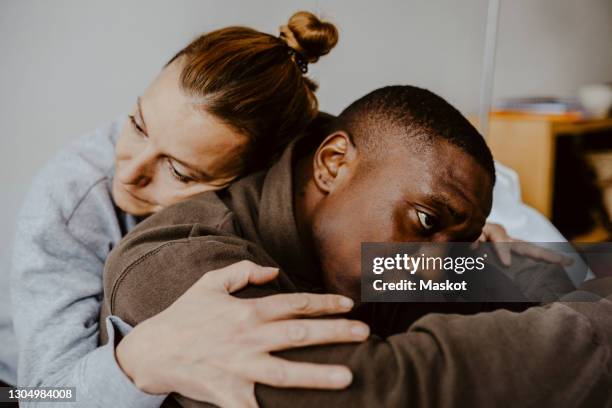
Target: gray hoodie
x=65, y=230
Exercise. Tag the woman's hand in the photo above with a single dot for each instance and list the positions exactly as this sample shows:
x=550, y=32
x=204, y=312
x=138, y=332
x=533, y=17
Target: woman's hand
x=213, y=347
x=496, y=234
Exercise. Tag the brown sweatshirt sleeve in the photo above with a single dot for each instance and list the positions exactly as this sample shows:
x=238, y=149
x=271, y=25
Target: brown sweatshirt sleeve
x=557, y=355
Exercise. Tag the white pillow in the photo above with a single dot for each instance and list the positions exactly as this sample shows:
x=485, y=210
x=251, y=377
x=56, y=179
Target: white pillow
x=524, y=222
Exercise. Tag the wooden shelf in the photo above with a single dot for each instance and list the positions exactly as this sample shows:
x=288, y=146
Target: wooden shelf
x=568, y=117
x=582, y=126
x=526, y=143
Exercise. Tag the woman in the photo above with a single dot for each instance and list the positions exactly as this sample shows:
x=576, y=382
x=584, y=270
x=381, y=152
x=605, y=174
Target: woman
x=225, y=105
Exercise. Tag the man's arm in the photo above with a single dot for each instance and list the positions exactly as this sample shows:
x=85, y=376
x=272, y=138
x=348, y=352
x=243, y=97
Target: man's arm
x=145, y=274
x=554, y=355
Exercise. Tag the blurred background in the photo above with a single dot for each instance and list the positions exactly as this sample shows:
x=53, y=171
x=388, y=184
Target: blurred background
x=68, y=66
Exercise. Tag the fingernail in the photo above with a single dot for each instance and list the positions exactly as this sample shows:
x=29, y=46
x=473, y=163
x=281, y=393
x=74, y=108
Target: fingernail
x=360, y=330
x=346, y=303
x=341, y=377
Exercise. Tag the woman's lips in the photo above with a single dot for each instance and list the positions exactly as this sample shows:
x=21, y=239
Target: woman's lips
x=136, y=197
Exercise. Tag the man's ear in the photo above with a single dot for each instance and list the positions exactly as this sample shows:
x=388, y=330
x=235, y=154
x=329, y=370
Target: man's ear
x=332, y=159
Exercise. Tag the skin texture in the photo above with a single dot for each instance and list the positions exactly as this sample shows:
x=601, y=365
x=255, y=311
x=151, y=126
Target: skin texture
x=169, y=134
x=409, y=198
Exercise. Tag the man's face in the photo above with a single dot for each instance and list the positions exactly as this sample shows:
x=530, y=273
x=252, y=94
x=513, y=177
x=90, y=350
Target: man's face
x=439, y=194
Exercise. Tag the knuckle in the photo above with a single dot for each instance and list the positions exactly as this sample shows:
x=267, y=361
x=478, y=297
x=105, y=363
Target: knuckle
x=245, y=265
x=261, y=309
x=300, y=302
x=245, y=262
x=296, y=332
x=247, y=312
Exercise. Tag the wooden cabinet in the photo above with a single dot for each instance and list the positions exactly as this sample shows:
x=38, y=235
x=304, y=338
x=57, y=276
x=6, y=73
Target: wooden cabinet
x=527, y=143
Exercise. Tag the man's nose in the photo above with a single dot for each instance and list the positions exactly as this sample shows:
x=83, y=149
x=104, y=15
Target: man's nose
x=138, y=170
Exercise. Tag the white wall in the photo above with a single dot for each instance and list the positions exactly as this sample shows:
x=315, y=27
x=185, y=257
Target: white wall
x=553, y=46
x=66, y=66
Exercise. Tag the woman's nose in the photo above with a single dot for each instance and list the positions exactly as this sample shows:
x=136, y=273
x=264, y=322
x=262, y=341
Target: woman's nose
x=137, y=170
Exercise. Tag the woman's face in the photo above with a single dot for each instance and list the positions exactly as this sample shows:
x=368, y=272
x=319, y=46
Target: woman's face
x=170, y=150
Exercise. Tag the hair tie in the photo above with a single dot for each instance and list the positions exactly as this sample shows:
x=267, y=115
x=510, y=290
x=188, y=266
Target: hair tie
x=299, y=59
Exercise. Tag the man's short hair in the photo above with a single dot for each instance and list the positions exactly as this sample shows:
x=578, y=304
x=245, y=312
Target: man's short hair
x=413, y=116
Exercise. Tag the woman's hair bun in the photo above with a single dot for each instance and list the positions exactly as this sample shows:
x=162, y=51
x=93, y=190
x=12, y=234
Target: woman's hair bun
x=309, y=35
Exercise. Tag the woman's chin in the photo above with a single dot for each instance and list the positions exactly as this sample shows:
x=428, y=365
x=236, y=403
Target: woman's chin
x=132, y=205
x=138, y=211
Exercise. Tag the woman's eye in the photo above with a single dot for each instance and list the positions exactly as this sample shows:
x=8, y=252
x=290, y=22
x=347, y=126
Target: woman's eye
x=136, y=126
x=427, y=221
x=180, y=177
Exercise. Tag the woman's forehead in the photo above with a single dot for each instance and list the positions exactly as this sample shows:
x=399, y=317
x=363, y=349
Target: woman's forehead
x=184, y=130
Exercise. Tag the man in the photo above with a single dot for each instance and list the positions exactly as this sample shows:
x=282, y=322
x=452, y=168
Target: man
x=399, y=164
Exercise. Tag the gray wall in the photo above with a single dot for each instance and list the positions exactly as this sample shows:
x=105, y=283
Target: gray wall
x=67, y=66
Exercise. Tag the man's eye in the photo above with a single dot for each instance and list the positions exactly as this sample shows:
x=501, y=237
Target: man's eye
x=427, y=221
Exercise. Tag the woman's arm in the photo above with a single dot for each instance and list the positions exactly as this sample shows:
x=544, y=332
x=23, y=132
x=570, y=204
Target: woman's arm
x=56, y=291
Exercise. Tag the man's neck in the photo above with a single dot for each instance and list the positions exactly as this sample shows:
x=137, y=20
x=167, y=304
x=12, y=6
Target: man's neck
x=305, y=198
